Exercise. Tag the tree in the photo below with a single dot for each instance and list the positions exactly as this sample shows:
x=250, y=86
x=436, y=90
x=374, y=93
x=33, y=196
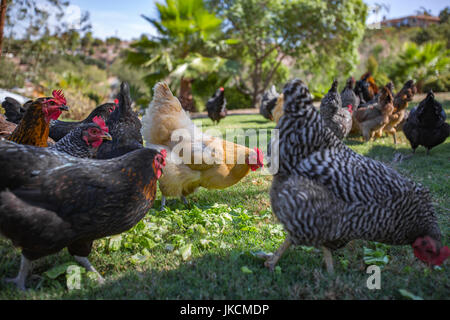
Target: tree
x=420, y=62
x=184, y=28
x=3, y=6
x=325, y=33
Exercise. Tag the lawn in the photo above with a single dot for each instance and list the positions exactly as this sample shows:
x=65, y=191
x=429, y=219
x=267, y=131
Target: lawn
x=206, y=250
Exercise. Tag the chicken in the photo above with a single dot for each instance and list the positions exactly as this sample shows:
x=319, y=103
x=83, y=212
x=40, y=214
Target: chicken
x=426, y=124
x=85, y=139
x=367, y=87
x=348, y=96
x=401, y=100
x=373, y=119
x=374, y=101
x=73, y=202
x=177, y=180
x=220, y=163
x=217, y=106
x=278, y=110
x=58, y=129
x=124, y=127
x=268, y=102
x=33, y=129
x=336, y=118
x=14, y=111
x=326, y=195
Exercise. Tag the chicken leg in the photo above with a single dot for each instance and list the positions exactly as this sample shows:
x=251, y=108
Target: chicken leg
x=328, y=258
x=89, y=267
x=272, y=261
x=25, y=268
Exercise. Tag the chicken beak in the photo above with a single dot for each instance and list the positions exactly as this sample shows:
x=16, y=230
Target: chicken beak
x=64, y=108
x=107, y=136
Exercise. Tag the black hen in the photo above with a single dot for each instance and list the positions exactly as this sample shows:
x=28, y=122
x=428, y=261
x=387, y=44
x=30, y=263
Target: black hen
x=58, y=129
x=14, y=111
x=268, y=103
x=70, y=202
x=217, y=106
x=124, y=127
x=426, y=124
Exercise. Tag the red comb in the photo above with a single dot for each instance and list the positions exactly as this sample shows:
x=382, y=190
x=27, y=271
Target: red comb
x=58, y=96
x=101, y=123
x=163, y=152
x=221, y=89
x=116, y=101
x=260, y=156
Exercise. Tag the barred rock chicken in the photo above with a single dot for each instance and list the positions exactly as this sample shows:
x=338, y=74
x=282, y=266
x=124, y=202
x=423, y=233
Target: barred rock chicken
x=348, y=96
x=268, y=102
x=426, y=124
x=217, y=106
x=85, y=139
x=401, y=100
x=336, y=118
x=124, y=127
x=372, y=120
x=33, y=129
x=326, y=195
x=58, y=129
x=207, y=161
x=70, y=202
x=14, y=111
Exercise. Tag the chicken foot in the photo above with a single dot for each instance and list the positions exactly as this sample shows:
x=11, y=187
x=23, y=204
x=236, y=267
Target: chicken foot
x=25, y=268
x=273, y=260
x=163, y=202
x=89, y=267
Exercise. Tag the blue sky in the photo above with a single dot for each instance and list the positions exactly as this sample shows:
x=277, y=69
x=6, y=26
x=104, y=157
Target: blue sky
x=122, y=18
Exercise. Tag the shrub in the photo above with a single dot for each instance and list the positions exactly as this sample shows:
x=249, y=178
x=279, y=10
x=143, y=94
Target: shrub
x=10, y=75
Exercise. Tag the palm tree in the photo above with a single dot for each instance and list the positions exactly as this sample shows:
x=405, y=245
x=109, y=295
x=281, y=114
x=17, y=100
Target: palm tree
x=179, y=50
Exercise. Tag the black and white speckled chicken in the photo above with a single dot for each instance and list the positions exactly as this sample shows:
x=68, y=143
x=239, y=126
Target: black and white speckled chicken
x=217, y=106
x=326, y=195
x=50, y=200
x=84, y=140
x=348, y=96
x=426, y=124
x=268, y=102
x=336, y=118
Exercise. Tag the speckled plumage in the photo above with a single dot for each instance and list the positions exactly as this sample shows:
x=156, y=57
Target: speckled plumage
x=348, y=96
x=326, y=194
x=336, y=118
x=268, y=102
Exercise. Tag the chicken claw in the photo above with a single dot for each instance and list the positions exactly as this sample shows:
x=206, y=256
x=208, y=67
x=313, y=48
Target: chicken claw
x=272, y=260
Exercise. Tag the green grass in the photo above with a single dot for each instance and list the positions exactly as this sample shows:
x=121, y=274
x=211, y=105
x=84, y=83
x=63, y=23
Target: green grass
x=205, y=250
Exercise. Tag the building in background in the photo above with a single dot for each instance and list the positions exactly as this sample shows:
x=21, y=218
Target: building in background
x=411, y=21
